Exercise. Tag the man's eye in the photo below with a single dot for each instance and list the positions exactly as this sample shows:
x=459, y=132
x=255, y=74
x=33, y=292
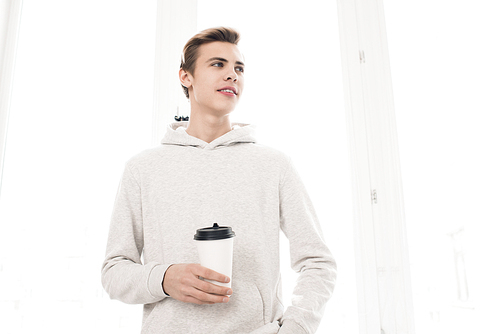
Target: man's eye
x=241, y=69
x=218, y=65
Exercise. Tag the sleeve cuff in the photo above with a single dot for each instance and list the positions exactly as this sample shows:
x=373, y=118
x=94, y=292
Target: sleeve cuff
x=155, y=282
x=291, y=327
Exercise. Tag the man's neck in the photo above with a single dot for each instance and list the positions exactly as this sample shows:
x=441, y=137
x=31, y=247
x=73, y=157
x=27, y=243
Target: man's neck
x=207, y=127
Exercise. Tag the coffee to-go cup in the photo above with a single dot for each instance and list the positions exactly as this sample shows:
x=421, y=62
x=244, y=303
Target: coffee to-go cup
x=215, y=248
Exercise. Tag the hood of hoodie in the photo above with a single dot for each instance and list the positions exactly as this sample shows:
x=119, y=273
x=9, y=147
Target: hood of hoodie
x=240, y=133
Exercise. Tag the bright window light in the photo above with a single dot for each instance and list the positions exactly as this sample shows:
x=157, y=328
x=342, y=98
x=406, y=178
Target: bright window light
x=444, y=61
x=81, y=106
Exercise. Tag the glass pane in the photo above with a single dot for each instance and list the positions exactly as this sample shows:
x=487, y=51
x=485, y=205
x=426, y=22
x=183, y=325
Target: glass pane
x=293, y=93
x=444, y=62
x=81, y=106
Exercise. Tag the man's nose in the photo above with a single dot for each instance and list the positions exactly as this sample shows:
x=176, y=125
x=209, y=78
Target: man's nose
x=231, y=75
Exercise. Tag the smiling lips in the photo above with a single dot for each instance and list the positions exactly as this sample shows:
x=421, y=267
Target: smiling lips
x=229, y=91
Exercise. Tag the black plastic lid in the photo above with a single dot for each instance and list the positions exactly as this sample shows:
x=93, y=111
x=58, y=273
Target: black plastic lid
x=215, y=232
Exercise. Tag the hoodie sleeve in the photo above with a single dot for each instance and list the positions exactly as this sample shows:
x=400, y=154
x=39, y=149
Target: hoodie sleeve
x=309, y=255
x=123, y=275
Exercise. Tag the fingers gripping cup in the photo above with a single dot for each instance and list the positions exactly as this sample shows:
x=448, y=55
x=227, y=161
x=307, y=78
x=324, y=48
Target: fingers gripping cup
x=215, y=248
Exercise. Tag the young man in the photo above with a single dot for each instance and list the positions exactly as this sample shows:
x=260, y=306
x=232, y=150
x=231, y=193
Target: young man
x=208, y=170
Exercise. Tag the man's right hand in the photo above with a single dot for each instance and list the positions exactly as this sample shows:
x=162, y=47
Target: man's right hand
x=181, y=282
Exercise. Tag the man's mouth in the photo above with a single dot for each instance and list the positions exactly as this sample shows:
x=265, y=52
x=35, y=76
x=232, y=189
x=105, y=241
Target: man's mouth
x=228, y=90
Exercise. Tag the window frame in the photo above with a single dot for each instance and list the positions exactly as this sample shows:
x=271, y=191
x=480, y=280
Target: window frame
x=9, y=35
x=382, y=260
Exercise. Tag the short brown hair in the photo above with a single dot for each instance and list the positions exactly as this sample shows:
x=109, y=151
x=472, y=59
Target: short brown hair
x=190, y=51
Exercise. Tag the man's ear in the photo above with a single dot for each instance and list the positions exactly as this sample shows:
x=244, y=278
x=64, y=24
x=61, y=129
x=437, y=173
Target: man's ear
x=185, y=78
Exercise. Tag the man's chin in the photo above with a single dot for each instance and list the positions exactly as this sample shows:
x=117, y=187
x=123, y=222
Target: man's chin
x=224, y=111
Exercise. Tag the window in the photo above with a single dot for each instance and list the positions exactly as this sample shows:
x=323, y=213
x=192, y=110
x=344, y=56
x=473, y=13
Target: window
x=445, y=69
x=81, y=106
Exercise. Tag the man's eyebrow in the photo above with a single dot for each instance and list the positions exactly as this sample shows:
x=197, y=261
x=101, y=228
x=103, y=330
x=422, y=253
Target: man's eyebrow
x=223, y=60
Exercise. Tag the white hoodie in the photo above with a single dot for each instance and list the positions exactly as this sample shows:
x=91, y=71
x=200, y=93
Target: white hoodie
x=168, y=192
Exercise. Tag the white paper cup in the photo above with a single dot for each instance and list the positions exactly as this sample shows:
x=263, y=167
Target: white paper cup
x=215, y=249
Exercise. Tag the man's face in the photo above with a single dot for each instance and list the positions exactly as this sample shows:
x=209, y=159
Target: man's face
x=218, y=79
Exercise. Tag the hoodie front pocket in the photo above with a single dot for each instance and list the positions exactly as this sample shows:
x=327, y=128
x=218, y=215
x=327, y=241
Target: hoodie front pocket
x=248, y=306
x=242, y=314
